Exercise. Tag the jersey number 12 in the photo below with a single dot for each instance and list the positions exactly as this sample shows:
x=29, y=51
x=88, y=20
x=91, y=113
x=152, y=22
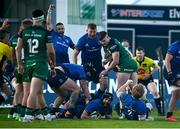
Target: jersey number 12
x=33, y=45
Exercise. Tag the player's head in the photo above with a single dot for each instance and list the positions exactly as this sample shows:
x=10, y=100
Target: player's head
x=91, y=30
x=138, y=91
x=60, y=28
x=125, y=43
x=104, y=38
x=38, y=16
x=107, y=98
x=140, y=53
x=4, y=36
x=26, y=23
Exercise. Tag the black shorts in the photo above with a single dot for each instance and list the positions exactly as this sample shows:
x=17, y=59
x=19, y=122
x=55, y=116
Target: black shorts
x=58, y=80
x=146, y=82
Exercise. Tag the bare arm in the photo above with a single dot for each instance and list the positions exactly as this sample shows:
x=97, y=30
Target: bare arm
x=168, y=58
x=122, y=88
x=4, y=25
x=51, y=55
x=48, y=18
x=115, y=61
x=18, y=51
x=18, y=56
x=12, y=56
x=75, y=56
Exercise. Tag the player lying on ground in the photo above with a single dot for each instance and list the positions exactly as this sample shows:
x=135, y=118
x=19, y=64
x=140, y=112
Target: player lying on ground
x=133, y=107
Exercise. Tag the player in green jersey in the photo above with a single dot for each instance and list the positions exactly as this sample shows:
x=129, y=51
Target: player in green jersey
x=38, y=51
x=124, y=65
x=19, y=99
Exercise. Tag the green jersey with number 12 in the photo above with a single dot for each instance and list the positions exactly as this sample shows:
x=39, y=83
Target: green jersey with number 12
x=34, y=40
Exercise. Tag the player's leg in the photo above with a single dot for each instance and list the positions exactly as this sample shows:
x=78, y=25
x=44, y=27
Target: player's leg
x=104, y=81
x=58, y=101
x=153, y=89
x=71, y=86
x=26, y=90
x=121, y=78
x=134, y=78
x=174, y=97
x=76, y=72
x=18, y=96
x=84, y=86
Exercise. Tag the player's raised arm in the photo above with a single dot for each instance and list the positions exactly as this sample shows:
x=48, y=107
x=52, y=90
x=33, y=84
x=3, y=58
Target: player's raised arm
x=4, y=25
x=48, y=18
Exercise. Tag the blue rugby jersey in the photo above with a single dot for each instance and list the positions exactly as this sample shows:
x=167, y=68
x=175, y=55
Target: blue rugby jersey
x=61, y=43
x=174, y=50
x=90, y=48
x=132, y=107
x=74, y=71
x=96, y=105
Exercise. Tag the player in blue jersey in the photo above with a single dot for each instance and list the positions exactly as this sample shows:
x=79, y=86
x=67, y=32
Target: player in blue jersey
x=101, y=107
x=61, y=85
x=61, y=42
x=74, y=72
x=133, y=107
x=91, y=58
x=172, y=74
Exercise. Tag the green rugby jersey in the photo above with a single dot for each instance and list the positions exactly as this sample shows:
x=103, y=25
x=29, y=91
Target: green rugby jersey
x=34, y=40
x=14, y=45
x=126, y=62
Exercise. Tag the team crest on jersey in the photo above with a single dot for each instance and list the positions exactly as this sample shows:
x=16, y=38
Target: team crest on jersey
x=144, y=65
x=60, y=80
x=66, y=40
x=113, y=47
x=86, y=45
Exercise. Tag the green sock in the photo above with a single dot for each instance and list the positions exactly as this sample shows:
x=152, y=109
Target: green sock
x=23, y=108
x=18, y=108
x=44, y=111
x=37, y=112
x=29, y=111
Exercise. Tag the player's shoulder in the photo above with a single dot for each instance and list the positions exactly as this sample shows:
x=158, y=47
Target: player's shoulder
x=67, y=37
x=175, y=45
x=5, y=47
x=148, y=59
x=83, y=37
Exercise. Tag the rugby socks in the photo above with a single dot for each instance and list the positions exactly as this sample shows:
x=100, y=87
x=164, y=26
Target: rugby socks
x=158, y=105
x=37, y=112
x=18, y=108
x=29, y=111
x=169, y=114
x=99, y=93
x=23, y=109
x=44, y=111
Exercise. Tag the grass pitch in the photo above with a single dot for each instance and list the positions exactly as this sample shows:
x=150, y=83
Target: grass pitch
x=158, y=122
